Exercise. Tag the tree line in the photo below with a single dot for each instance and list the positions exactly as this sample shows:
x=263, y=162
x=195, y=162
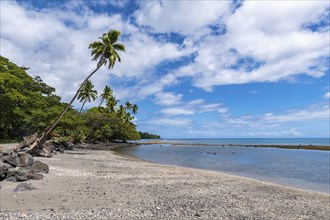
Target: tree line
x=29, y=105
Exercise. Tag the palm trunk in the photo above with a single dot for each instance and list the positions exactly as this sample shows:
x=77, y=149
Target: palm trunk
x=94, y=125
x=38, y=144
x=82, y=107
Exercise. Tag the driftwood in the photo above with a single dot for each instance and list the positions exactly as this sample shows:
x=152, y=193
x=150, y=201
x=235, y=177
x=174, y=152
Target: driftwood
x=27, y=141
x=34, y=145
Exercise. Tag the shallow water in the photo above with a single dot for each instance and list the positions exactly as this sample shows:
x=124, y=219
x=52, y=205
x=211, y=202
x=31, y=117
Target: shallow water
x=298, y=168
x=250, y=141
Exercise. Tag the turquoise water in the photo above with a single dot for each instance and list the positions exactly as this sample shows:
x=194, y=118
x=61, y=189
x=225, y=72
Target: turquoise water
x=242, y=141
x=303, y=169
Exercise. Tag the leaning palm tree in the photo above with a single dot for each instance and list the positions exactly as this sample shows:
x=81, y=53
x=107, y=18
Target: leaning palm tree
x=105, y=52
x=87, y=94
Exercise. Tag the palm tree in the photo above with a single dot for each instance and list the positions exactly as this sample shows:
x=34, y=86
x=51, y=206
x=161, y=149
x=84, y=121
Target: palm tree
x=128, y=106
x=104, y=52
x=121, y=111
x=134, y=108
x=87, y=94
x=107, y=94
x=111, y=104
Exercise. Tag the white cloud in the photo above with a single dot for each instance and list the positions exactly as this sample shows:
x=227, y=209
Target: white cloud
x=171, y=121
x=184, y=17
x=261, y=52
x=210, y=107
x=168, y=98
x=287, y=133
x=223, y=110
x=54, y=44
x=327, y=95
x=197, y=106
x=276, y=120
x=176, y=111
x=297, y=115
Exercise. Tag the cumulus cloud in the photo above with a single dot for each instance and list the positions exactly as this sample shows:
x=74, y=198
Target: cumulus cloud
x=60, y=54
x=171, y=121
x=287, y=133
x=219, y=46
x=176, y=111
x=197, y=106
x=182, y=17
x=275, y=120
x=252, y=50
x=168, y=98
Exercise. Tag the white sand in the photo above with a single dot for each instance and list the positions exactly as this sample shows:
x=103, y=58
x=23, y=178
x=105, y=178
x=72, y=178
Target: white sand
x=101, y=185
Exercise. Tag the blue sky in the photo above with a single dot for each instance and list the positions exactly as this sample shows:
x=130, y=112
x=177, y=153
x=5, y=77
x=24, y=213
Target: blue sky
x=195, y=68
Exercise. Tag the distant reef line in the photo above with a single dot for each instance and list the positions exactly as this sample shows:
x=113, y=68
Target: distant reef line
x=286, y=146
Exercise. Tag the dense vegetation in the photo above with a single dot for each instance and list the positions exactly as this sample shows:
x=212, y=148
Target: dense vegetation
x=145, y=135
x=29, y=105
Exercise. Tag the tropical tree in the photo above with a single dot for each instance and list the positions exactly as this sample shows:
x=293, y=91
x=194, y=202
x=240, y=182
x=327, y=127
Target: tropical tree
x=104, y=52
x=135, y=108
x=128, y=106
x=111, y=104
x=87, y=94
x=106, y=95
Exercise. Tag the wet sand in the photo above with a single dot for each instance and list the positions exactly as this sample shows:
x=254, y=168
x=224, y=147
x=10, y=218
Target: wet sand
x=99, y=184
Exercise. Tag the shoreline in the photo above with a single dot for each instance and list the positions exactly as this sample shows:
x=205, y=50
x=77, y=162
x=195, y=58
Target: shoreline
x=101, y=184
x=284, y=146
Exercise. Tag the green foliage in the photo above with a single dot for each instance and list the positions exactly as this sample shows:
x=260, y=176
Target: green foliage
x=21, y=97
x=29, y=105
x=87, y=93
x=145, y=135
x=106, y=49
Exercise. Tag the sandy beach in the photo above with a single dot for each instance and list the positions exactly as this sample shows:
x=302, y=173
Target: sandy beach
x=100, y=184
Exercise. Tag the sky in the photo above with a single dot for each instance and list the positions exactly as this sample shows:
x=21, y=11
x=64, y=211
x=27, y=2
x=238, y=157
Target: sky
x=196, y=69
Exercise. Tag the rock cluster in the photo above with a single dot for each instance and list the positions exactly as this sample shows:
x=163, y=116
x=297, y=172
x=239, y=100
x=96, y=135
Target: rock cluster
x=21, y=166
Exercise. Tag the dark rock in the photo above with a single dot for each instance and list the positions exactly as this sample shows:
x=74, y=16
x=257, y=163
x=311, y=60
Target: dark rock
x=50, y=146
x=3, y=155
x=17, y=174
x=35, y=176
x=39, y=167
x=44, y=152
x=6, y=165
x=11, y=159
x=24, y=187
x=70, y=146
x=24, y=159
x=20, y=159
x=3, y=170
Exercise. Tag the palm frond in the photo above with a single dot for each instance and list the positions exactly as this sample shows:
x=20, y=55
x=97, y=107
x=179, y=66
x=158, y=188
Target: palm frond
x=120, y=47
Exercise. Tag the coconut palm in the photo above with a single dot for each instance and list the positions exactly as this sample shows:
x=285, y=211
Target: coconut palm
x=111, y=104
x=128, y=106
x=104, y=52
x=107, y=94
x=134, y=108
x=87, y=94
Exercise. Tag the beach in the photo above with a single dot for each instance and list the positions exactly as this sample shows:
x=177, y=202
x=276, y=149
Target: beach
x=101, y=184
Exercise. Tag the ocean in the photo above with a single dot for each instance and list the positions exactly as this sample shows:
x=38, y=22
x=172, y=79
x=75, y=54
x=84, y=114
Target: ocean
x=305, y=169
x=250, y=141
